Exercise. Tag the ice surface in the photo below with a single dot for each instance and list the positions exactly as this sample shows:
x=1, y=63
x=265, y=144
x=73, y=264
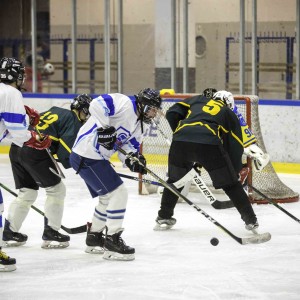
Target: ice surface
x=176, y=264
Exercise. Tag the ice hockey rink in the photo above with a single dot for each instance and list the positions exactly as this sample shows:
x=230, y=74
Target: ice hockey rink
x=176, y=264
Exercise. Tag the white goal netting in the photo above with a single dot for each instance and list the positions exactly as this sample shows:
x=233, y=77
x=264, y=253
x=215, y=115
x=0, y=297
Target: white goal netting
x=155, y=149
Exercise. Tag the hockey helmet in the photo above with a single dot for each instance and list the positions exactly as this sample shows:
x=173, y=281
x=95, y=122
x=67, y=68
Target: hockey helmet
x=209, y=92
x=82, y=103
x=226, y=97
x=12, y=70
x=148, y=104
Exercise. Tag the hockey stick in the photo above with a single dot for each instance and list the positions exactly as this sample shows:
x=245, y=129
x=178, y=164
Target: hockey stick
x=73, y=230
x=139, y=179
x=178, y=184
x=199, y=182
x=274, y=203
x=59, y=172
x=258, y=238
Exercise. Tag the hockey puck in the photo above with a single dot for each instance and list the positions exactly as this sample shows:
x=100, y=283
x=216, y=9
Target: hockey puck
x=214, y=241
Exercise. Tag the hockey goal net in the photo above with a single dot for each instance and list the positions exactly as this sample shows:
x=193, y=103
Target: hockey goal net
x=156, y=149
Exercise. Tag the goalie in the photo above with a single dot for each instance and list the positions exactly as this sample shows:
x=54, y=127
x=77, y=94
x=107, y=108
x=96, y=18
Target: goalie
x=251, y=149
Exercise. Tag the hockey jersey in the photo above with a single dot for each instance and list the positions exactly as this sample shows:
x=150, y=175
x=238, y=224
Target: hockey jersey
x=204, y=121
x=62, y=125
x=115, y=110
x=248, y=137
x=13, y=119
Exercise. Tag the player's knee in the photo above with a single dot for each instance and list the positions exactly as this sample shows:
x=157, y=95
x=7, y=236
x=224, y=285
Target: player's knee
x=119, y=197
x=27, y=197
x=223, y=177
x=57, y=191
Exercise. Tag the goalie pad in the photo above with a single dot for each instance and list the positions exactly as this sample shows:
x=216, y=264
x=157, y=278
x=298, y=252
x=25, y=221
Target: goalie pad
x=260, y=159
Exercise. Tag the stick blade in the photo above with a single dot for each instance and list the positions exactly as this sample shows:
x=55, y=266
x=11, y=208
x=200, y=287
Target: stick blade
x=257, y=238
x=75, y=230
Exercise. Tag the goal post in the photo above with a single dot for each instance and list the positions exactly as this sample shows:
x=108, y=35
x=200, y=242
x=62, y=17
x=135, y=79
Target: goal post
x=156, y=149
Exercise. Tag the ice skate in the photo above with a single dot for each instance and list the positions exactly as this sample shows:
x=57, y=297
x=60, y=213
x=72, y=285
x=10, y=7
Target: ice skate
x=11, y=238
x=53, y=239
x=116, y=249
x=7, y=264
x=94, y=241
x=252, y=227
x=164, y=224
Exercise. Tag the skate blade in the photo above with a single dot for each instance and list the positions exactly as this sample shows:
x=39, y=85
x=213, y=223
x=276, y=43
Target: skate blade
x=162, y=227
x=54, y=245
x=8, y=244
x=94, y=250
x=109, y=255
x=7, y=268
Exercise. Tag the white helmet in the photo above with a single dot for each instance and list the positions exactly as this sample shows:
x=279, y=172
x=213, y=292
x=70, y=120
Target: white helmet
x=227, y=97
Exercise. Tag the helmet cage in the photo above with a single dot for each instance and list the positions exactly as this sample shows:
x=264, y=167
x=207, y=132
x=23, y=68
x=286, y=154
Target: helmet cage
x=148, y=103
x=82, y=103
x=209, y=93
x=12, y=70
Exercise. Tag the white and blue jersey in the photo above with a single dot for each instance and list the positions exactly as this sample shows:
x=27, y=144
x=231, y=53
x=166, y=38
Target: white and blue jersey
x=13, y=118
x=115, y=110
x=13, y=124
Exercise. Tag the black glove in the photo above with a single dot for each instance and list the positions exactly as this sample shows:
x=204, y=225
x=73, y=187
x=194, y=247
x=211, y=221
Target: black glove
x=134, y=166
x=107, y=137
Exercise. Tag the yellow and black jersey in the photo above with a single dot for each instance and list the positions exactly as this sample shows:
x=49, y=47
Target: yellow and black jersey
x=248, y=137
x=200, y=120
x=62, y=125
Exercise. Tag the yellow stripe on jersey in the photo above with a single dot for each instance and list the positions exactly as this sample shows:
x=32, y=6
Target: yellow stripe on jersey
x=194, y=124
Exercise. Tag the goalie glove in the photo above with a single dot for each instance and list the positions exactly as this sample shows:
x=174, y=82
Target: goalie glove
x=34, y=116
x=107, y=137
x=134, y=165
x=260, y=159
x=37, y=142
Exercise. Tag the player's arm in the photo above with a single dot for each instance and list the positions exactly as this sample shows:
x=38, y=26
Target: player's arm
x=15, y=119
x=176, y=113
x=251, y=149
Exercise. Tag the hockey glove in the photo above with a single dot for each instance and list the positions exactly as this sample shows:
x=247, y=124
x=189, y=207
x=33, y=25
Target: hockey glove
x=34, y=116
x=133, y=165
x=260, y=159
x=37, y=142
x=107, y=137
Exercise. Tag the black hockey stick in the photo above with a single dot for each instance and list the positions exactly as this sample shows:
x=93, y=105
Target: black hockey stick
x=59, y=172
x=274, y=203
x=73, y=230
x=199, y=182
x=258, y=238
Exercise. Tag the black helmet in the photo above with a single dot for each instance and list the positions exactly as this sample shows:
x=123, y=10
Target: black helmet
x=82, y=103
x=148, y=99
x=12, y=70
x=209, y=92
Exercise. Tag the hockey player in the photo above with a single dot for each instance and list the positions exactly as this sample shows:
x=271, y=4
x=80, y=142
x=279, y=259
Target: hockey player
x=14, y=127
x=31, y=170
x=251, y=149
x=199, y=125
x=115, y=118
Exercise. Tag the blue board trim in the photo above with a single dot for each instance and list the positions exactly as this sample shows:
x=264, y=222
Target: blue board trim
x=275, y=102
